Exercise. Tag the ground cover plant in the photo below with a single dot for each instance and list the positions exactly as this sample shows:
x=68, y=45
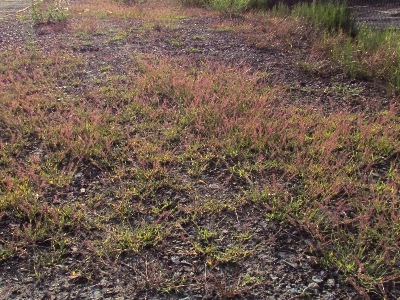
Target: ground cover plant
x=49, y=11
x=135, y=163
x=363, y=52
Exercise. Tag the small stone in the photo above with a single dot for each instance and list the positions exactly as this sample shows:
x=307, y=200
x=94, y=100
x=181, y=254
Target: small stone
x=330, y=283
x=313, y=286
x=292, y=264
x=103, y=282
x=317, y=279
x=82, y=190
x=329, y=296
x=263, y=256
x=175, y=259
x=213, y=186
x=283, y=255
x=110, y=293
x=273, y=277
x=29, y=280
x=97, y=294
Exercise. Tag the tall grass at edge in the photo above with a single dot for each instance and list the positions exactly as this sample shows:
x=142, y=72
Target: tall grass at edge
x=333, y=15
x=372, y=54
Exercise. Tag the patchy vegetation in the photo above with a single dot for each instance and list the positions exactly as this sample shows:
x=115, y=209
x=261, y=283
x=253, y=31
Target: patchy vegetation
x=128, y=151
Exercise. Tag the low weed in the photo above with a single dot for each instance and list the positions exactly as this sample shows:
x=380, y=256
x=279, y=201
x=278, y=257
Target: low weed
x=200, y=3
x=337, y=176
x=229, y=6
x=325, y=183
x=49, y=11
x=136, y=161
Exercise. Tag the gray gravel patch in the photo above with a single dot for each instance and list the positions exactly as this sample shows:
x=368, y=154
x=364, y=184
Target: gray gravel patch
x=378, y=16
x=8, y=7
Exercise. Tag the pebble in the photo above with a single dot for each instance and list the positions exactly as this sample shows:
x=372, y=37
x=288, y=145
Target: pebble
x=328, y=296
x=29, y=280
x=330, y=283
x=97, y=295
x=317, y=279
x=283, y=255
x=103, y=282
x=273, y=277
x=175, y=259
x=313, y=286
x=213, y=186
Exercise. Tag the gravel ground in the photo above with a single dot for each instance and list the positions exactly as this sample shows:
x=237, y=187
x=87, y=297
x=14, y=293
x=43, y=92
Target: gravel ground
x=9, y=7
x=282, y=256
x=378, y=16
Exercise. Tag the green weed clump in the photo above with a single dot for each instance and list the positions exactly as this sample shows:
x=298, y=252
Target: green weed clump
x=49, y=11
x=229, y=6
x=333, y=15
x=201, y=3
x=371, y=54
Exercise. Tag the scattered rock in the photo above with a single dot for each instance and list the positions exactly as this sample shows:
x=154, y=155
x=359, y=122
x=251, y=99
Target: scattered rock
x=330, y=283
x=317, y=279
x=175, y=259
x=313, y=286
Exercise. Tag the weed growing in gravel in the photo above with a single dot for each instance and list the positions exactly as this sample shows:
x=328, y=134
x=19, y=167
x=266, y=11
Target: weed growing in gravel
x=49, y=11
x=336, y=176
x=108, y=165
x=229, y=6
x=324, y=166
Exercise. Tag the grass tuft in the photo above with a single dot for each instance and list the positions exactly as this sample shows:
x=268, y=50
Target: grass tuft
x=49, y=11
x=332, y=15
